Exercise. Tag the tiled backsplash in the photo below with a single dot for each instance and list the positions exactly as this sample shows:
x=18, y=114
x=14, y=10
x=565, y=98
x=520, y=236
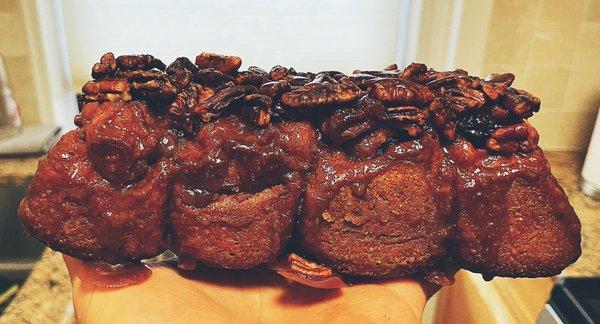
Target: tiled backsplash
x=15, y=49
x=553, y=47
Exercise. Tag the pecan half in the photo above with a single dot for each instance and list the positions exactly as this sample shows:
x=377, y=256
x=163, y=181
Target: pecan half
x=141, y=75
x=182, y=109
x=105, y=67
x=442, y=79
x=278, y=72
x=495, y=85
x=254, y=76
x=182, y=63
x=274, y=89
x=392, y=67
x=106, y=90
x=513, y=138
x=462, y=99
x=413, y=69
x=300, y=270
x=156, y=88
x=381, y=74
x=324, y=77
x=444, y=117
x=520, y=102
x=348, y=123
x=105, y=86
x=400, y=92
x=181, y=78
x=221, y=100
x=139, y=62
x=296, y=80
x=408, y=118
x=257, y=109
x=212, y=77
x=101, y=97
x=223, y=63
x=315, y=95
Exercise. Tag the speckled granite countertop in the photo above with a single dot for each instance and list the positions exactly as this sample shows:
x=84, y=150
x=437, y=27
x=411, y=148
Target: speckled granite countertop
x=17, y=170
x=46, y=297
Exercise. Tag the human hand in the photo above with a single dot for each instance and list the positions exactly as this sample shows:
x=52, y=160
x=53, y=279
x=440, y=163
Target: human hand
x=215, y=295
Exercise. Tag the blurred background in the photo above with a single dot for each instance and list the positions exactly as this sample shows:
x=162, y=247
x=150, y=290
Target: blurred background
x=552, y=46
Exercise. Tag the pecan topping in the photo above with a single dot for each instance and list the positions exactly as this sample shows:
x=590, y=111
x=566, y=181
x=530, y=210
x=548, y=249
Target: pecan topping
x=307, y=273
x=221, y=100
x=106, y=90
x=315, y=95
x=223, y=63
x=495, y=85
x=139, y=62
x=275, y=89
x=182, y=63
x=512, y=138
x=348, y=123
x=400, y=92
x=462, y=99
x=257, y=109
x=254, y=76
x=520, y=102
x=408, y=118
x=278, y=72
x=413, y=69
x=487, y=112
x=212, y=77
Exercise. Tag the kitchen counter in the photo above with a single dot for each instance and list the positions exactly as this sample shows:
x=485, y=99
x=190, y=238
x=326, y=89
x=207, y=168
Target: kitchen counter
x=46, y=294
x=17, y=170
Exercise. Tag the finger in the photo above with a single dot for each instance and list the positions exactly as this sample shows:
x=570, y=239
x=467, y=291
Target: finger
x=73, y=266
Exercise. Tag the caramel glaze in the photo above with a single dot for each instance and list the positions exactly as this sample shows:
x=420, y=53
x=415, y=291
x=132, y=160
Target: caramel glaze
x=106, y=275
x=236, y=191
x=380, y=217
x=513, y=218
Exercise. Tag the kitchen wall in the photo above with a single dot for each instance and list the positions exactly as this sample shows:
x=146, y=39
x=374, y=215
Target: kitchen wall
x=16, y=50
x=308, y=35
x=552, y=46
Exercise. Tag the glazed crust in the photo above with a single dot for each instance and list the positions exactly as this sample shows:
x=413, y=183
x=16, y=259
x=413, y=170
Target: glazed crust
x=72, y=209
x=374, y=174
x=383, y=217
x=513, y=218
